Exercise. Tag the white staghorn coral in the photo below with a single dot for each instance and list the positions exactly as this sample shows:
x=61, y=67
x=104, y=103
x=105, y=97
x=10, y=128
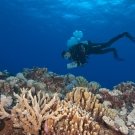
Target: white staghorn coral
x=30, y=111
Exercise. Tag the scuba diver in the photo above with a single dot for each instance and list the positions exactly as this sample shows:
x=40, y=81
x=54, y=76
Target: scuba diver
x=79, y=51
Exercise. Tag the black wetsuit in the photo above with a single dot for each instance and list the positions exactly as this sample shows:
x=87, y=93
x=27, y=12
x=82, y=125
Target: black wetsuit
x=80, y=52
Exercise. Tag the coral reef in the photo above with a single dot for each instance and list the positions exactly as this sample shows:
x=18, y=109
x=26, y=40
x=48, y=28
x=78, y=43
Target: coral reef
x=5, y=74
x=27, y=117
x=124, y=86
x=86, y=100
x=35, y=73
x=45, y=80
x=114, y=97
x=81, y=115
x=78, y=113
x=122, y=100
x=7, y=100
x=6, y=128
x=122, y=95
x=116, y=124
x=74, y=121
x=38, y=79
x=81, y=81
x=131, y=119
x=40, y=102
x=93, y=87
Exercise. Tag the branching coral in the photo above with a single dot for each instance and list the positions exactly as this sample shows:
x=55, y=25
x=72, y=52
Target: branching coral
x=53, y=82
x=75, y=121
x=79, y=113
x=30, y=111
x=82, y=115
x=86, y=100
x=93, y=87
x=81, y=81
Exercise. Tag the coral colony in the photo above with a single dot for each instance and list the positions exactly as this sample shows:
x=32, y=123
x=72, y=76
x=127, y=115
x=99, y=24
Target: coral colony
x=40, y=102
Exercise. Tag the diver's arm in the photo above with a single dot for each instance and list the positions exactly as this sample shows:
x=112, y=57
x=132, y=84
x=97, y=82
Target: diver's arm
x=75, y=59
x=107, y=51
x=78, y=55
x=79, y=60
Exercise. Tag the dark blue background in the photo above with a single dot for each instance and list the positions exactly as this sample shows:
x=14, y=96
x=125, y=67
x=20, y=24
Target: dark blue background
x=35, y=32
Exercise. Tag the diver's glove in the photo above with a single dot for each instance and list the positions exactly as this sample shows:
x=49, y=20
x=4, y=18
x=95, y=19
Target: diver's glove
x=117, y=57
x=126, y=34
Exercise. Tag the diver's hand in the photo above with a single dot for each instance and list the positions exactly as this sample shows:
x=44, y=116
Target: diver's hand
x=73, y=63
x=82, y=65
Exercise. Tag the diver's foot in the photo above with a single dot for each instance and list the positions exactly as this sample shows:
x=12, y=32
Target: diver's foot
x=117, y=57
x=126, y=34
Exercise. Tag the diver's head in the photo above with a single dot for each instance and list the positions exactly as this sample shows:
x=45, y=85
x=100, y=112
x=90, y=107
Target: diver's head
x=66, y=55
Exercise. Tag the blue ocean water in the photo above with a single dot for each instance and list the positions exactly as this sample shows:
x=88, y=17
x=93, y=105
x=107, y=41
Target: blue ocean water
x=35, y=32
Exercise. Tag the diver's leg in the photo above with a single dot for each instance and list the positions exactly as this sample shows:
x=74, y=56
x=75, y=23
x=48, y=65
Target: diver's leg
x=111, y=41
x=99, y=51
x=95, y=46
x=98, y=46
